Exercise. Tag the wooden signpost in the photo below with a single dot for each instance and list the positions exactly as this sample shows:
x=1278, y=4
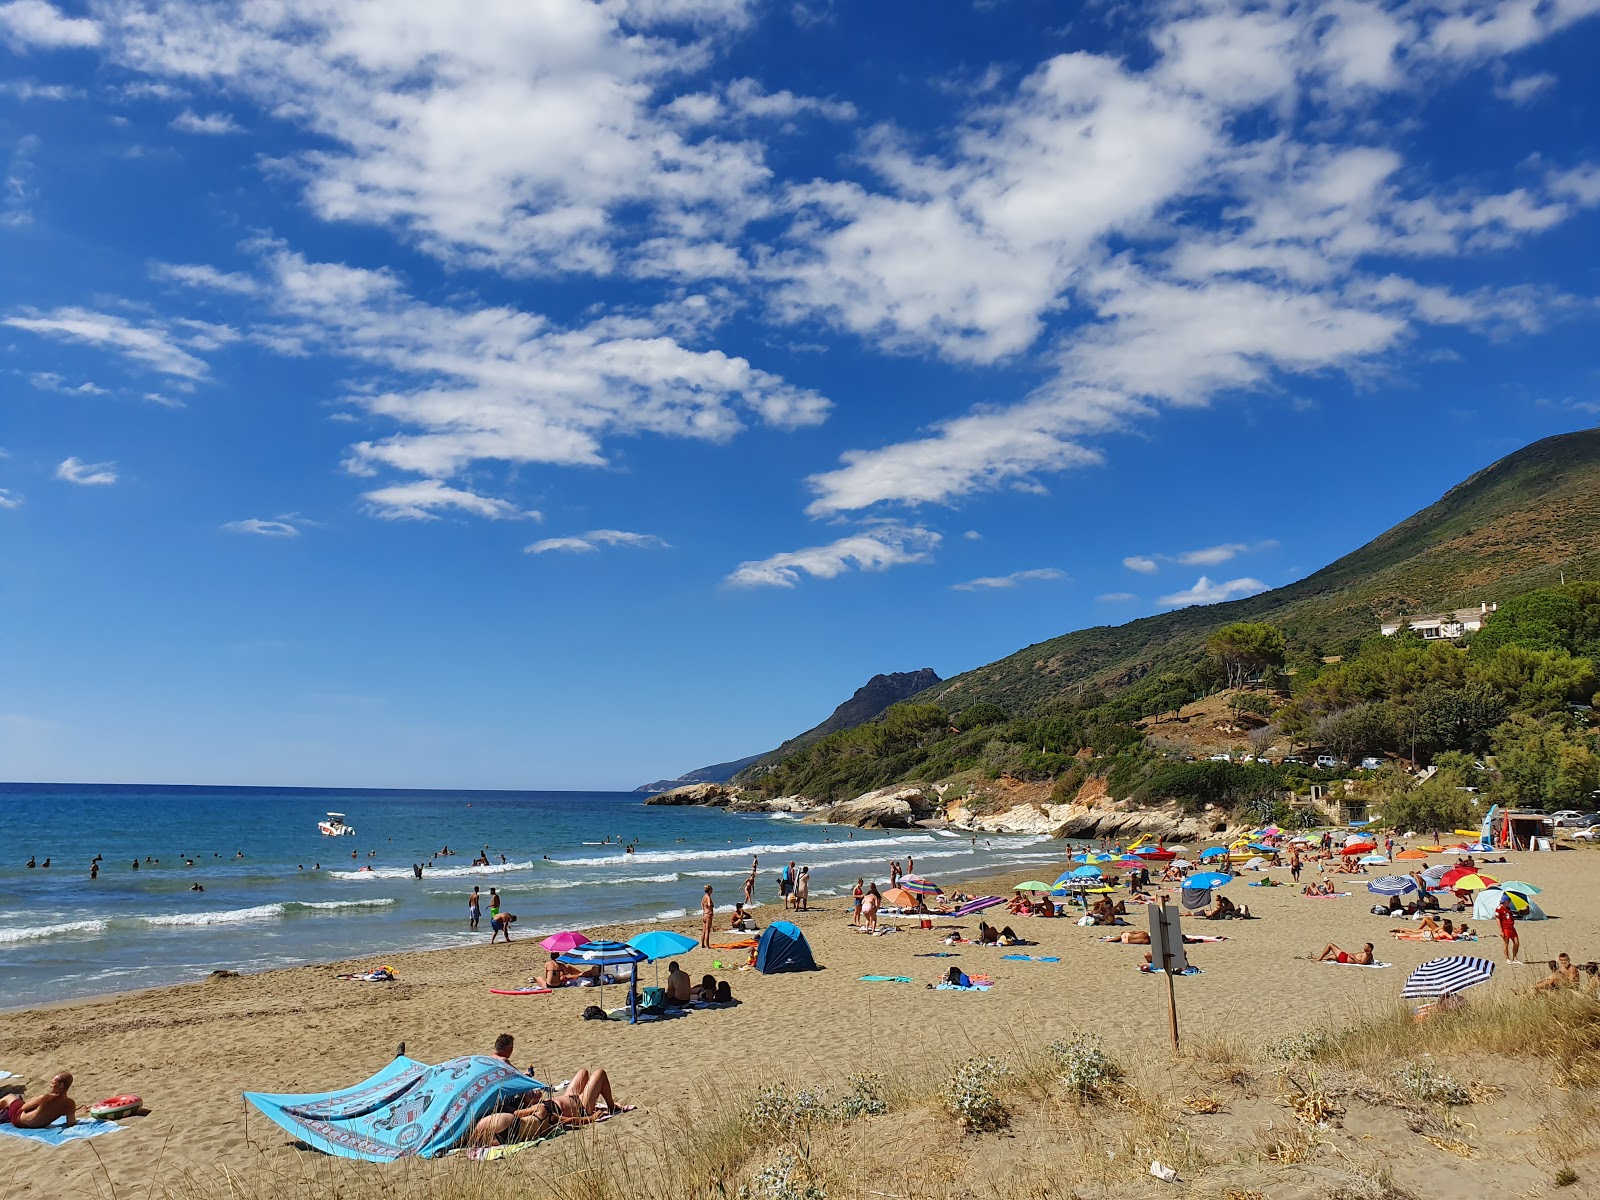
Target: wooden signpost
x=1166, y=955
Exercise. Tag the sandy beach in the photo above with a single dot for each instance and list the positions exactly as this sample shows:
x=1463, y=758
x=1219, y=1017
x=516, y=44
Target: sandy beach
x=190, y=1051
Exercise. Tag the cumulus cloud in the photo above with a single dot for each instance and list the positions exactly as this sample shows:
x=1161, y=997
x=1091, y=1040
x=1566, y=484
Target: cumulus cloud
x=1205, y=591
x=875, y=549
x=10, y=499
x=423, y=499
x=34, y=23
x=74, y=470
x=279, y=527
x=1142, y=563
x=1525, y=89
x=1206, y=556
x=208, y=124
x=995, y=582
x=49, y=381
x=596, y=538
x=1115, y=597
x=200, y=275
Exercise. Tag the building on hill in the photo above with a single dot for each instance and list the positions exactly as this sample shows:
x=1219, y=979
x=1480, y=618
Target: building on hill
x=1450, y=626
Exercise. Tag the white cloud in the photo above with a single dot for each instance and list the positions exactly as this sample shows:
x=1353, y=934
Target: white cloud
x=49, y=381
x=995, y=582
x=275, y=528
x=10, y=499
x=199, y=275
x=26, y=89
x=1205, y=591
x=421, y=499
x=1142, y=563
x=528, y=138
x=972, y=535
x=876, y=549
x=29, y=23
x=73, y=470
x=1211, y=556
x=154, y=344
x=210, y=124
x=596, y=538
x=1115, y=597
x=1526, y=88
x=1207, y=556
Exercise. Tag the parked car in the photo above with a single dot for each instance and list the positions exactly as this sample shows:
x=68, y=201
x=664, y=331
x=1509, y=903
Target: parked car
x=1222, y=756
x=1569, y=818
x=1372, y=763
x=1292, y=760
x=1328, y=762
x=1589, y=833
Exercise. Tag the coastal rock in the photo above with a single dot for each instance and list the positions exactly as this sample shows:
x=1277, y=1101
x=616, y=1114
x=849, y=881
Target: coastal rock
x=712, y=795
x=887, y=808
x=1080, y=821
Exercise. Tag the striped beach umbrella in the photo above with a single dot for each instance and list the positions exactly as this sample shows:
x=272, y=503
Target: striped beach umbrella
x=1473, y=882
x=609, y=954
x=1392, y=885
x=1446, y=977
x=1092, y=856
x=1434, y=876
x=919, y=886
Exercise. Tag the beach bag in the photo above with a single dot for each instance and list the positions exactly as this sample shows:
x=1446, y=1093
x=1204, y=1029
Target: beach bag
x=594, y=1013
x=655, y=999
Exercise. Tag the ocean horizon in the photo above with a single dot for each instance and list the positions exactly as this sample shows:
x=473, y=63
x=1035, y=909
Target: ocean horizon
x=274, y=892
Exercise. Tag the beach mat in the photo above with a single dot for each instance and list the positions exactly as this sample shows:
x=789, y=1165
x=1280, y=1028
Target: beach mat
x=1328, y=962
x=60, y=1135
x=886, y=979
x=956, y=987
x=1029, y=958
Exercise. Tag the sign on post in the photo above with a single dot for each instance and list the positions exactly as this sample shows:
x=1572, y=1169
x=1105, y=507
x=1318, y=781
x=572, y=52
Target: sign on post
x=1166, y=955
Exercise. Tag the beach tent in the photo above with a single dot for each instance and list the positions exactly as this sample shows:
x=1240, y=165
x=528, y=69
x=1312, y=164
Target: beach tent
x=783, y=948
x=406, y=1110
x=1486, y=901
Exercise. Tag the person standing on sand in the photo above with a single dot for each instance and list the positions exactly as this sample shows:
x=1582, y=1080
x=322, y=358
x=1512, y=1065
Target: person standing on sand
x=855, y=901
x=786, y=884
x=1508, y=929
x=869, y=906
x=707, y=912
x=474, y=908
x=802, y=890
x=750, y=887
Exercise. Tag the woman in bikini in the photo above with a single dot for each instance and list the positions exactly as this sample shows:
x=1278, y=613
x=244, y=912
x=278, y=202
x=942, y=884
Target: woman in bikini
x=587, y=1098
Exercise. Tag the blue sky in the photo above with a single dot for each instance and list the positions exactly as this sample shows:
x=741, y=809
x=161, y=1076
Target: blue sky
x=399, y=393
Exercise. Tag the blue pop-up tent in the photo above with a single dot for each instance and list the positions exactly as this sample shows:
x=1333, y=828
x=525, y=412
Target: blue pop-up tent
x=783, y=948
x=407, y=1110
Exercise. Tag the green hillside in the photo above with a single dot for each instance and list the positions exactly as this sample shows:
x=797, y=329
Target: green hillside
x=1512, y=527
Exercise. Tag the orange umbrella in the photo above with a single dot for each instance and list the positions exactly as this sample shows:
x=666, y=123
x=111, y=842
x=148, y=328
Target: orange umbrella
x=1411, y=854
x=899, y=898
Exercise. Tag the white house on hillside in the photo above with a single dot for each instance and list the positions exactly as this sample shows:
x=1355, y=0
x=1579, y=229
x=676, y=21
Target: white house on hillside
x=1442, y=626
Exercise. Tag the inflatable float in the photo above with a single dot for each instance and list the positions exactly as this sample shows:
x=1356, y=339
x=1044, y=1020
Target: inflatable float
x=116, y=1106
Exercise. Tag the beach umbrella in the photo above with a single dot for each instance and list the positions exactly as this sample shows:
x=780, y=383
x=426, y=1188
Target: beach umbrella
x=1180, y=863
x=661, y=943
x=1208, y=880
x=1446, y=977
x=609, y=954
x=1260, y=847
x=1092, y=856
x=899, y=898
x=1434, y=876
x=1257, y=861
x=1373, y=860
x=1392, y=885
x=1448, y=879
x=919, y=886
x=1178, y=849
x=1474, y=882
x=1084, y=872
x=1129, y=864
x=1520, y=888
x=1030, y=885
x=560, y=943
x=656, y=944
x=1411, y=855
x=1213, y=852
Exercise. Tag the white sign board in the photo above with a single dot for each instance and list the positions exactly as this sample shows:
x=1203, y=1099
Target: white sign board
x=1166, y=939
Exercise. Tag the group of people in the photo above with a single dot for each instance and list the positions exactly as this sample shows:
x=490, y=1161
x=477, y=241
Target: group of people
x=587, y=1097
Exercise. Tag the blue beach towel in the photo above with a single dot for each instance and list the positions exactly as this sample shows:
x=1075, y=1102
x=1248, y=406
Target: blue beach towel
x=1029, y=958
x=408, y=1109
x=60, y=1135
x=956, y=987
x=886, y=979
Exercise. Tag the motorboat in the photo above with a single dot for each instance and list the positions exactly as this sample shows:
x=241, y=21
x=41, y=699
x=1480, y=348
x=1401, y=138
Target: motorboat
x=334, y=826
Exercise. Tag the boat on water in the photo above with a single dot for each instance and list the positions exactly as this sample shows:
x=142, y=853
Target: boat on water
x=334, y=826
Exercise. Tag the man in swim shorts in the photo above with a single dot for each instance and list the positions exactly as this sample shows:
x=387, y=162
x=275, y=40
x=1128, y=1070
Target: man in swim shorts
x=42, y=1110
x=1332, y=953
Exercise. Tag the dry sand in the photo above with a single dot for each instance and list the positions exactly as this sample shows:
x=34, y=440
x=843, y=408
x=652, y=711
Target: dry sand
x=190, y=1050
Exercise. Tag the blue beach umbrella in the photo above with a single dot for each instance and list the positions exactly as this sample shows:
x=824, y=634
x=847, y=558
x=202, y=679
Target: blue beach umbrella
x=1373, y=860
x=1392, y=885
x=661, y=943
x=1208, y=880
x=1213, y=852
x=1522, y=889
x=1084, y=872
x=1434, y=876
x=610, y=954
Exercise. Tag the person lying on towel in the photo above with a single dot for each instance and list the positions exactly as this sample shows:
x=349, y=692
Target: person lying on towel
x=586, y=1097
x=1332, y=953
x=43, y=1109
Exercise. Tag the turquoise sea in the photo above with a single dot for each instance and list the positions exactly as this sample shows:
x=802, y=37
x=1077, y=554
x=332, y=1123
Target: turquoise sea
x=277, y=892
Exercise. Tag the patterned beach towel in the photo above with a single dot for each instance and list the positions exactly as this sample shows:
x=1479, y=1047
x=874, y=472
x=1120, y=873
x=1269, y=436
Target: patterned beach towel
x=60, y=1135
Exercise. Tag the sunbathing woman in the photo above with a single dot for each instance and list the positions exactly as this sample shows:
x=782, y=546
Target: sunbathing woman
x=586, y=1096
x=1007, y=937
x=987, y=935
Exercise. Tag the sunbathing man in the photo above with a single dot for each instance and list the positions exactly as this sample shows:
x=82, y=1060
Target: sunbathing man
x=1562, y=975
x=43, y=1109
x=1332, y=953
x=1129, y=937
x=679, y=986
x=580, y=1103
